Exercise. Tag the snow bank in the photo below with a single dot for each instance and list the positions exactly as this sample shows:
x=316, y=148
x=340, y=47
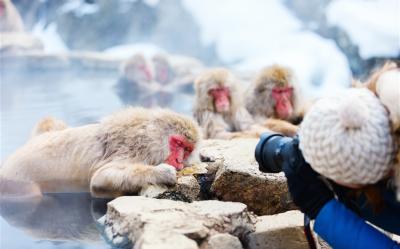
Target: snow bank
x=49, y=36
x=372, y=25
x=126, y=51
x=253, y=34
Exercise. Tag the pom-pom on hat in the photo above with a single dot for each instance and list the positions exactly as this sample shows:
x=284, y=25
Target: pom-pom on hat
x=347, y=138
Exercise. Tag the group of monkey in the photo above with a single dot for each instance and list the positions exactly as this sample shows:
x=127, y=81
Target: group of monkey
x=137, y=147
x=221, y=107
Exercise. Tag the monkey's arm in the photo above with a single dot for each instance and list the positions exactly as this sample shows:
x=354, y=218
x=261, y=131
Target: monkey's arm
x=122, y=177
x=281, y=126
x=213, y=125
x=243, y=120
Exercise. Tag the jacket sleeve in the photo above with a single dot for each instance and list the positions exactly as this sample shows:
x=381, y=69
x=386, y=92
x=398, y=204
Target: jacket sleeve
x=342, y=229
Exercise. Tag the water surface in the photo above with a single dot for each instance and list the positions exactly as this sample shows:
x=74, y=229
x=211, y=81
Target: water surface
x=60, y=221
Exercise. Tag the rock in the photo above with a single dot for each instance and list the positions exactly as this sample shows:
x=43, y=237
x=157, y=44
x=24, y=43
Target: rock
x=224, y=240
x=238, y=178
x=187, y=189
x=151, y=223
x=188, y=186
x=279, y=231
x=17, y=42
x=39, y=60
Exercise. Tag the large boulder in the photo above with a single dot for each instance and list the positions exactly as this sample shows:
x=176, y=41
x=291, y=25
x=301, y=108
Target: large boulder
x=279, y=231
x=238, y=179
x=148, y=223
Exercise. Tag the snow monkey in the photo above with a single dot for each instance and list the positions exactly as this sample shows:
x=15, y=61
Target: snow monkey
x=10, y=20
x=163, y=72
x=218, y=107
x=136, y=70
x=274, y=95
x=124, y=152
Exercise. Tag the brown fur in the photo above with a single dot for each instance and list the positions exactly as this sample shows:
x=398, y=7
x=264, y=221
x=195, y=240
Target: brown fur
x=11, y=20
x=259, y=101
x=48, y=124
x=114, y=157
x=214, y=124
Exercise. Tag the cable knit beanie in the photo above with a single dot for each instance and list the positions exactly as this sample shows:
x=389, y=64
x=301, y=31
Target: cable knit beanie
x=347, y=138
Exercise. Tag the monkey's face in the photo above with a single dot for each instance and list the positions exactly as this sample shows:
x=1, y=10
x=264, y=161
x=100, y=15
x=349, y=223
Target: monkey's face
x=162, y=72
x=283, y=101
x=221, y=98
x=179, y=150
x=142, y=72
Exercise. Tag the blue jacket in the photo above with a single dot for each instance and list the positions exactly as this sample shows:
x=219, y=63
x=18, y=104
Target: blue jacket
x=343, y=229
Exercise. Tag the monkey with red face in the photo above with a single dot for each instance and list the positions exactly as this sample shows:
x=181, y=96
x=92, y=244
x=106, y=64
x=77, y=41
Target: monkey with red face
x=137, y=85
x=218, y=106
x=274, y=98
x=122, y=154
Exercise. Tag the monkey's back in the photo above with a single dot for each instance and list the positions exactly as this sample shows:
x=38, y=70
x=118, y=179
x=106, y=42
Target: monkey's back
x=55, y=159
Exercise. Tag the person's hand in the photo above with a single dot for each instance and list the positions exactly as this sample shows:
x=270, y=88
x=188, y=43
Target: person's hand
x=308, y=191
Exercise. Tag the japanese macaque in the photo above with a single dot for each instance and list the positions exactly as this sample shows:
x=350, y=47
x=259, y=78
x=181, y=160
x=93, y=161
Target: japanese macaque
x=274, y=95
x=120, y=155
x=136, y=70
x=273, y=100
x=218, y=107
x=171, y=80
x=10, y=20
x=385, y=83
x=163, y=72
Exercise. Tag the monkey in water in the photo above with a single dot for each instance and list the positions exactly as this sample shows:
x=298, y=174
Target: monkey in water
x=274, y=98
x=126, y=151
x=218, y=106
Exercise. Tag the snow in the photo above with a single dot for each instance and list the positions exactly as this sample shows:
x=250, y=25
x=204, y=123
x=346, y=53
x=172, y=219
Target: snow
x=49, y=36
x=125, y=51
x=253, y=34
x=372, y=25
x=79, y=8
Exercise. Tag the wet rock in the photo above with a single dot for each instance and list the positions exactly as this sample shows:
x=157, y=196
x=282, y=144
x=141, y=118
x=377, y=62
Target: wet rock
x=187, y=189
x=279, y=231
x=224, y=240
x=152, y=223
x=238, y=178
x=17, y=42
x=188, y=186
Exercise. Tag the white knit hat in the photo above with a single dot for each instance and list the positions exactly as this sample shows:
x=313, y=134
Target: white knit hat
x=347, y=138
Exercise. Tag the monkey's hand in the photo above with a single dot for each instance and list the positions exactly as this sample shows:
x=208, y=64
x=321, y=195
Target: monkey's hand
x=166, y=174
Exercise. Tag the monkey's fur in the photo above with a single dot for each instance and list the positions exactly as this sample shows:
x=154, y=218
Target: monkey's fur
x=220, y=125
x=119, y=155
x=261, y=105
x=10, y=21
x=259, y=101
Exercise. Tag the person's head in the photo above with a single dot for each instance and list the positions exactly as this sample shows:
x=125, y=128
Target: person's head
x=347, y=138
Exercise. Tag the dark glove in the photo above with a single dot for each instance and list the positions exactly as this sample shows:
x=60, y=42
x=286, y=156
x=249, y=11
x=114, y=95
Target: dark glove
x=308, y=191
